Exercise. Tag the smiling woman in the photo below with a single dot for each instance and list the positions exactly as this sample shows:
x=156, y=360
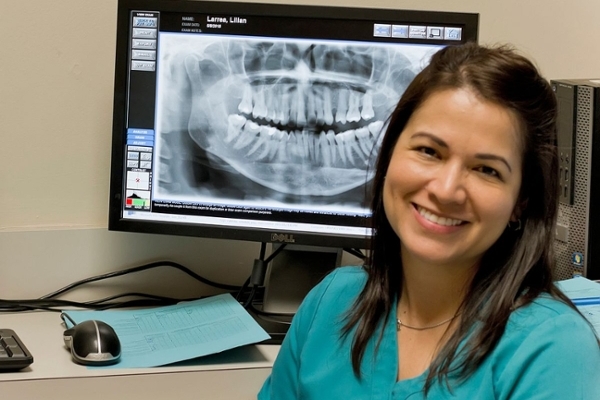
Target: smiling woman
x=453, y=303
x=453, y=180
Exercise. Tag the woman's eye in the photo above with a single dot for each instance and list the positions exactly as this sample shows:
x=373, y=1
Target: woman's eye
x=427, y=150
x=488, y=171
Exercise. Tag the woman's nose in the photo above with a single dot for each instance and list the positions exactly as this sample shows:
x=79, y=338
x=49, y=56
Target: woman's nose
x=448, y=184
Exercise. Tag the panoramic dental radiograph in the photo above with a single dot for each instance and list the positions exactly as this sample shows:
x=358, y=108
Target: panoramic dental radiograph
x=288, y=121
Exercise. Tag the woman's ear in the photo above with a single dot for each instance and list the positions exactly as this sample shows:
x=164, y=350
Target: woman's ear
x=518, y=210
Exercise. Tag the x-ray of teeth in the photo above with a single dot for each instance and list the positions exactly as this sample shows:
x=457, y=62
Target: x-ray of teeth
x=289, y=121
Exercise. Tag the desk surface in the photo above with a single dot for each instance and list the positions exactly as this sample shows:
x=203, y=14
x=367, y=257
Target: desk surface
x=234, y=374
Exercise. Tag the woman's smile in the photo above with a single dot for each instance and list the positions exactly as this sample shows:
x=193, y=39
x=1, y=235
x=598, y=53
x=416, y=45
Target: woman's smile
x=437, y=219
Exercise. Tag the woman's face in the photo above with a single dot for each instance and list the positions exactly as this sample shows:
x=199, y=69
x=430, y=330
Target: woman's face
x=454, y=178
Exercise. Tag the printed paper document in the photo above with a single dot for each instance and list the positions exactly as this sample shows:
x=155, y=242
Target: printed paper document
x=164, y=335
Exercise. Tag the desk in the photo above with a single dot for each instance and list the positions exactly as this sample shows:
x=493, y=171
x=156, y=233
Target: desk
x=235, y=374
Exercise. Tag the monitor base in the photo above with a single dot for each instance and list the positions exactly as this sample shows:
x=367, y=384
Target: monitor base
x=292, y=274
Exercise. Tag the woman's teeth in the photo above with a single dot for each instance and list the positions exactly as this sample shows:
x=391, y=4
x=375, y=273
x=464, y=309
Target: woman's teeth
x=438, y=220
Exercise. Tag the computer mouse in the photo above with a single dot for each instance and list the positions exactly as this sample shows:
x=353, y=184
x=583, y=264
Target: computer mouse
x=93, y=342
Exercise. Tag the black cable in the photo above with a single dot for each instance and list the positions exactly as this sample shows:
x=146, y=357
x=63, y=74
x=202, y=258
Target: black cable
x=263, y=250
x=63, y=316
x=49, y=303
x=131, y=294
x=59, y=305
x=40, y=304
x=261, y=257
x=138, y=269
x=355, y=252
x=270, y=314
x=147, y=300
x=137, y=303
x=261, y=263
x=238, y=297
x=263, y=314
x=250, y=298
x=275, y=253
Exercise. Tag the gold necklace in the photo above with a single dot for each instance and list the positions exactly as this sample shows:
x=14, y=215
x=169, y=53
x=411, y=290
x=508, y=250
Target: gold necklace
x=400, y=324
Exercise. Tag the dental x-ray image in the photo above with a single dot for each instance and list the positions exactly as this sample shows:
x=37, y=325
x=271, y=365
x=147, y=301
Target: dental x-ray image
x=275, y=122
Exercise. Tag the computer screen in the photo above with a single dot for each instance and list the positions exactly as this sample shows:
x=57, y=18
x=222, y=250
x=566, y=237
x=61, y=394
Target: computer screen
x=259, y=121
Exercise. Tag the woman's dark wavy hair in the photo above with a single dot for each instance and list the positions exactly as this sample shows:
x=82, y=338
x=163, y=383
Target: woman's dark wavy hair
x=518, y=267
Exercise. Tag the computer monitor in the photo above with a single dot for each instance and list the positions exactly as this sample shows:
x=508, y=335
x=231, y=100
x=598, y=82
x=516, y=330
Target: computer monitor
x=260, y=122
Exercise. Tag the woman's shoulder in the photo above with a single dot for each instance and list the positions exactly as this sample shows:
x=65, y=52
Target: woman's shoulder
x=549, y=338
x=345, y=282
x=343, y=277
x=546, y=313
x=335, y=292
x=546, y=308
x=550, y=322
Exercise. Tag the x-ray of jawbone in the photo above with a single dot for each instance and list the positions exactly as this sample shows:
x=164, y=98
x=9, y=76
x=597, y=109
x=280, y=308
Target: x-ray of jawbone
x=297, y=119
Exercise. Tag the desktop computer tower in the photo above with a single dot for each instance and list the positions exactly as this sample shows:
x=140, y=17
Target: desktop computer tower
x=577, y=235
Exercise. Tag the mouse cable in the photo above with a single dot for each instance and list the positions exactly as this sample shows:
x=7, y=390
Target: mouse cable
x=138, y=269
x=64, y=317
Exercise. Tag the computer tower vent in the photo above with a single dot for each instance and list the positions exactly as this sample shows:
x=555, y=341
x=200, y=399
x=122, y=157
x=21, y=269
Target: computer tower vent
x=575, y=216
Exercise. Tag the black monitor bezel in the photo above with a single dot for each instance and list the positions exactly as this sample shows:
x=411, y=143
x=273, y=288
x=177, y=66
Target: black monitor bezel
x=469, y=22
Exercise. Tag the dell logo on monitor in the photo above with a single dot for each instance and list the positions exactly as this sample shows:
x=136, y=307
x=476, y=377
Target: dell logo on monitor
x=284, y=238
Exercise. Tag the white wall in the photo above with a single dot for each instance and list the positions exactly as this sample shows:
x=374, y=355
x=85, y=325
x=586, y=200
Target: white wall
x=56, y=77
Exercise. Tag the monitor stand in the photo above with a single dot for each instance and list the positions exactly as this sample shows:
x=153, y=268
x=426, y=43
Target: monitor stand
x=292, y=274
